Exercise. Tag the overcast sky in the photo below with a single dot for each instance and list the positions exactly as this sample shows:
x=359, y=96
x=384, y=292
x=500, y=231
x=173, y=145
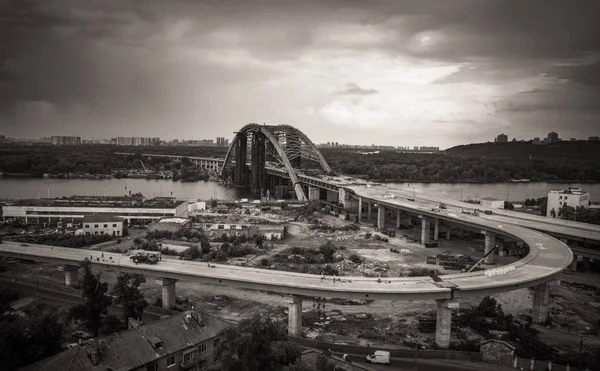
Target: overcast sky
x=391, y=72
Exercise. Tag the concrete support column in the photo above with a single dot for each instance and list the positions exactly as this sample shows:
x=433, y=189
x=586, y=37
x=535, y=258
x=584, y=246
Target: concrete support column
x=359, y=209
x=398, y=216
x=443, y=326
x=539, y=312
x=295, y=316
x=490, y=242
x=71, y=275
x=369, y=211
x=448, y=233
x=461, y=233
x=425, y=229
x=168, y=292
x=343, y=197
x=573, y=266
x=314, y=193
x=380, y=216
x=436, y=229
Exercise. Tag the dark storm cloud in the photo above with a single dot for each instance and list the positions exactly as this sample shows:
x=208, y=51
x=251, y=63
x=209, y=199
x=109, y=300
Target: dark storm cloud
x=566, y=98
x=354, y=89
x=585, y=74
x=141, y=62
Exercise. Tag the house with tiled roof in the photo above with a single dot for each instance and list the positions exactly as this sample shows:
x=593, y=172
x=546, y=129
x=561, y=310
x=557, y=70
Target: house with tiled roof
x=182, y=342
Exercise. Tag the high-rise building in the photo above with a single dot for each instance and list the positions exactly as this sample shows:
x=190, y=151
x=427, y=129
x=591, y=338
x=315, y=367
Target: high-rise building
x=501, y=138
x=61, y=140
x=222, y=142
x=552, y=137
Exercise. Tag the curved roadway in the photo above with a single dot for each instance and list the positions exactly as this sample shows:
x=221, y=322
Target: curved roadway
x=564, y=228
x=547, y=257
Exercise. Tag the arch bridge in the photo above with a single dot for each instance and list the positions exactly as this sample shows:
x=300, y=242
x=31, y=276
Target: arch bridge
x=256, y=148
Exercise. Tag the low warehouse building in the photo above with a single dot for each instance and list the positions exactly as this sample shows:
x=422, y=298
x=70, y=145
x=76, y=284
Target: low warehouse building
x=170, y=224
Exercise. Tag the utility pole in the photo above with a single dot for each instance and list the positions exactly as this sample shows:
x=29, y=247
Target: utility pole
x=580, y=349
x=416, y=350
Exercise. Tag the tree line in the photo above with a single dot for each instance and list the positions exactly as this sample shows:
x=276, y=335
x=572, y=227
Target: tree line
x=494, y=164
x=390, y=166
x=37, y=160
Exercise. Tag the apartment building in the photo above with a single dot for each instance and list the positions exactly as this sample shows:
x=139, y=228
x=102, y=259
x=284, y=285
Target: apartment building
x=185, y=342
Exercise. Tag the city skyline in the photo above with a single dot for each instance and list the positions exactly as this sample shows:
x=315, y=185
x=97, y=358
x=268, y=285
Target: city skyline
x=387, y=72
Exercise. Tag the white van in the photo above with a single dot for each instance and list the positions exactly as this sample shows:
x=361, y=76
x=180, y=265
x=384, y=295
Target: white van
x=380, y=356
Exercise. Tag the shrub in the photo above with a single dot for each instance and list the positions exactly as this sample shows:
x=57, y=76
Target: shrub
x=220, y=256
x=354, y=258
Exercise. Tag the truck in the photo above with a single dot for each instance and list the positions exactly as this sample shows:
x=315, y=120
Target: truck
x=379, y=356
x=442, y=206
x=143, y=256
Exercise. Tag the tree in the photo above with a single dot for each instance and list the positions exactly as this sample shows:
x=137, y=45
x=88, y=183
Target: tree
x=45, y=335
x=94, y=309
x=192, y=253
x=543, y=202
x=127, y=294
x=323, y=364
x=258, y=343
x=27, y=340
x=204, y=245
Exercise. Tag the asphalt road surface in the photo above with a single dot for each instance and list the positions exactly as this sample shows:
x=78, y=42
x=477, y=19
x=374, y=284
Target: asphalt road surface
x=405, y=364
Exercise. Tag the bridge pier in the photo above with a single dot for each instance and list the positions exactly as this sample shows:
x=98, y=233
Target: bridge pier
x=585, y=261
x=541, y=295
x=573, y=266
x=314, y=193
x=369, y=211
x=71, y=275
x=436, y=229
x=490, y=243
x=168, y=292
x=380, y=216
x=332, y=196
x=443, y=327
x=448, y=233
x=360, y=209
x=295, y=316
x=398, y=218
x=425, y=229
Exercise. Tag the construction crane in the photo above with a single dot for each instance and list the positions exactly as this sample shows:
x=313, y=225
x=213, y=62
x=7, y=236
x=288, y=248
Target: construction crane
x=144, y=166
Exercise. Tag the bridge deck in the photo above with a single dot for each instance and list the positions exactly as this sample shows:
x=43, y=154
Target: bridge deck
x=547, y=258
x=566, y=228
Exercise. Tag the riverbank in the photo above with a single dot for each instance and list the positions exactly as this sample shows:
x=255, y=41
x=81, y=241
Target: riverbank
x=17, y=188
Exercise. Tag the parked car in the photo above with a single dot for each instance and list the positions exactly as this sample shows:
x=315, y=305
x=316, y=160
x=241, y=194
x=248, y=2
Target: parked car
x=379, y=356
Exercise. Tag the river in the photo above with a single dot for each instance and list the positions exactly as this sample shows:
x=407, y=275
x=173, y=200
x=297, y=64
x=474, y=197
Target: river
x=35, y=187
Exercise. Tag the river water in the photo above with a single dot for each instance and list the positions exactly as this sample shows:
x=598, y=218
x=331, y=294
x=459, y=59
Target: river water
x=35, y=187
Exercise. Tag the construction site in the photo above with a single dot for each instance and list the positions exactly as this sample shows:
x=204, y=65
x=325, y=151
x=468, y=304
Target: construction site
x=315, y=241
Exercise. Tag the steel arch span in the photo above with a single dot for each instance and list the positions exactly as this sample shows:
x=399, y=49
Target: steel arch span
x=280, y=146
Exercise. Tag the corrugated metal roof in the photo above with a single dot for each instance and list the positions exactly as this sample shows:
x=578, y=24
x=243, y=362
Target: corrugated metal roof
x=101, y=218
x=133, y=348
